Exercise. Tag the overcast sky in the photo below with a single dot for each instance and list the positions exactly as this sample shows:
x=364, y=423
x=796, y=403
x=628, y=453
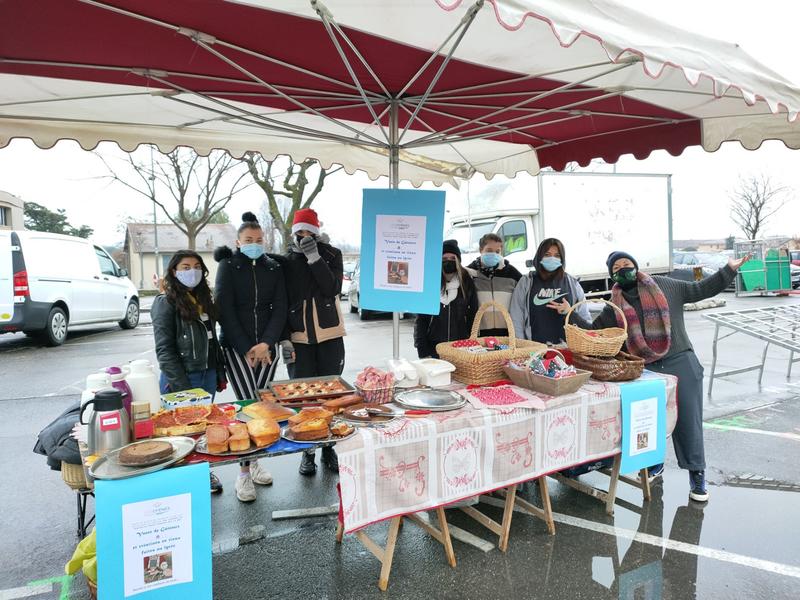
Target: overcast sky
x=70, y=178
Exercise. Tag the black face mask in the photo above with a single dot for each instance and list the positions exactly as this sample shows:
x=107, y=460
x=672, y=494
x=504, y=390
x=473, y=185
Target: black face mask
x=626, y=278
x=449, y=266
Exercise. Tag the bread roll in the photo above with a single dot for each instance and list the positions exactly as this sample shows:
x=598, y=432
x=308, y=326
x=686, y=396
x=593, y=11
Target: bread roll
x=307, y=414
x=217, y=438
x=312, y=429
x=239, y=437
x=338, y=404
x=263, y=432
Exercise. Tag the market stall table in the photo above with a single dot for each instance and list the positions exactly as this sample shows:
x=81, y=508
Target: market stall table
x=415, y=465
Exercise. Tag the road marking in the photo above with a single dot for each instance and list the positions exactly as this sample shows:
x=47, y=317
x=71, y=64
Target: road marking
x=26, y=591
x=780, y=434
x=702, y=551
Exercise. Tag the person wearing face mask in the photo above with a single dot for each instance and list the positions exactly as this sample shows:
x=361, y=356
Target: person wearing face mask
x=250, y=292
x=184, y=328
x=458, y=303
x=314, y=271
x=653, y=307
x=495, y=279
x=535, y=305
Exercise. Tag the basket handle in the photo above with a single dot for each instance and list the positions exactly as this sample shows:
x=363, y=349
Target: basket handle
x=598, y=300
x=476, y=324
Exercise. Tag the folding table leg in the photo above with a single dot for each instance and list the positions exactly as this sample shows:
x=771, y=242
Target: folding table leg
x=339, y=532
x=546, y=508
x=388, y=554
x=612, y=485
x=446, y=541
x=644, y=479
x=508, y=513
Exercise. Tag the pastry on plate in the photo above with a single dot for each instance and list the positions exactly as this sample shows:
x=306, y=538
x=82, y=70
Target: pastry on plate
x=263, y=432
x=217, y=439
x=312, y=429
x=342, y=429
x=314, y=412
x=239, y=439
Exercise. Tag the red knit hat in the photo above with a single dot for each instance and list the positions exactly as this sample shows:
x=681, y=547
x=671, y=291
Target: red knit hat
x=306, y=218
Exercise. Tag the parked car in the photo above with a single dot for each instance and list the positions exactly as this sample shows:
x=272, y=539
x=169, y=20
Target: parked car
x=347, y=278
x=355, y=299
x=685, y=263
x=794, y=256
x=795, y=274
x=49, y=282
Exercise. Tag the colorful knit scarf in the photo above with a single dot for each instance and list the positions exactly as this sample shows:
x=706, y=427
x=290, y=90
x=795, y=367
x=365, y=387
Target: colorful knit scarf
x=651, y=342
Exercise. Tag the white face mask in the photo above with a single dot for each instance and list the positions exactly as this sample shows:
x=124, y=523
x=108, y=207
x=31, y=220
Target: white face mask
x=190, y=277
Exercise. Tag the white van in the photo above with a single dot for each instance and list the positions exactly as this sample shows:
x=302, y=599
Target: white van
x=49, y=282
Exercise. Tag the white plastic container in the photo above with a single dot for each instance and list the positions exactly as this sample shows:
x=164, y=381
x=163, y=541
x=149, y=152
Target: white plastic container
x=143, y=381
x=405, y=374
x=433, y=372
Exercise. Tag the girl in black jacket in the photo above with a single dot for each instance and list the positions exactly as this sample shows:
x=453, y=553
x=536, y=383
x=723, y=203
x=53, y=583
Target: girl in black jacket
x=185, y=331
x=457, y=308
x=251, y=295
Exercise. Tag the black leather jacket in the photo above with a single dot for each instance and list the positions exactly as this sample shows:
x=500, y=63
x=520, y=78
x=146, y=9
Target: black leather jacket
x=181, y=346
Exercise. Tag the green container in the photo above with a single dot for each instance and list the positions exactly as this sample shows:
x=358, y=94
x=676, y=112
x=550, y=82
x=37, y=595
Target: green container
x=779, y=275
x=752, y=273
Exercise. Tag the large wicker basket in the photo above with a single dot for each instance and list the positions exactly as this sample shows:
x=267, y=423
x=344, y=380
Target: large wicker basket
x=622, y=367
x=546, y=385
x=74, y=476
x=479, y=369
x=599, y=342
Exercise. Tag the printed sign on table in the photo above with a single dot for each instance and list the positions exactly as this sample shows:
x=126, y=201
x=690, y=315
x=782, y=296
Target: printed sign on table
x=154, y=535
x=644, y=424
x=401, y=250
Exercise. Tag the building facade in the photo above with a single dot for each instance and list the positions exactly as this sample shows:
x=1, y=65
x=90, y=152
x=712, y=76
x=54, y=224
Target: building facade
x=11, y=212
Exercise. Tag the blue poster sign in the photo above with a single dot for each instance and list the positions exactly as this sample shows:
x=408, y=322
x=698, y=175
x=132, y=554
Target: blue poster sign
x=401, y=250
x=644, y=424
x=154, y=535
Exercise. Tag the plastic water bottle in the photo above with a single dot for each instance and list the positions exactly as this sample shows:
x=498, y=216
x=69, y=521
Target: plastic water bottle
x=94, y=383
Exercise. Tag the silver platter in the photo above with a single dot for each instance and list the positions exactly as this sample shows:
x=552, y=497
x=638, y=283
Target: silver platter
x=108, y=467
x=429, y=399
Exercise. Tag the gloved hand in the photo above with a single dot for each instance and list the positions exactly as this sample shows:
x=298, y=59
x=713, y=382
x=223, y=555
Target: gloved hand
x=309, y=247
x=287, y=352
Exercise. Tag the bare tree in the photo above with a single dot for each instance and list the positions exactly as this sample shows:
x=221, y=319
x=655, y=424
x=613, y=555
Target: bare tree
x=287, y=192
x=190, y=189
x=754, y=201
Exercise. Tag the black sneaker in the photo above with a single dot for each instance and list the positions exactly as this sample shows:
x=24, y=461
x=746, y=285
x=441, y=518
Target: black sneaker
x=308, y=466
x=330, y=460
x=697, y=486
x=216, y=484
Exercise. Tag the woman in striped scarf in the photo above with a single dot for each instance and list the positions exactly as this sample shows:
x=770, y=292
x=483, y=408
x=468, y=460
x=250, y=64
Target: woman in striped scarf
x=653, y=307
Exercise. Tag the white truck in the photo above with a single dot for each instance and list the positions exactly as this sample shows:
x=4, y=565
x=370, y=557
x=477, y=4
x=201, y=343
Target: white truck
x=591, y=213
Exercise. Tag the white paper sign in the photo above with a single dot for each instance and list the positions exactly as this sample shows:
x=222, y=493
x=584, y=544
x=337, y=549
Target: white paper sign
x=157, y=543
x=399, y=252
x=644, y=422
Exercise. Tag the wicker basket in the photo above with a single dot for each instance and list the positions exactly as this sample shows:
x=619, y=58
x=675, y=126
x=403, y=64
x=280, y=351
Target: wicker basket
x=599, y=342
x=546, y=385
x=479, y=369
x=74, y=476
x=622, y=367
x=381, y=395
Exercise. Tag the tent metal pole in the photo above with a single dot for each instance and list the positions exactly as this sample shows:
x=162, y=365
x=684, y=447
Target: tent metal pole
x=394, y=183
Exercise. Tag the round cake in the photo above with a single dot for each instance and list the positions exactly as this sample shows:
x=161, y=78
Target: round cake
x=144, y=453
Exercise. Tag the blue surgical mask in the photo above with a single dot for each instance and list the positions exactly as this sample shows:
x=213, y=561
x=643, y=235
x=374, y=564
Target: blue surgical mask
x=491, y=260
x=190, y=277
x=252, y=251
x=551, y=263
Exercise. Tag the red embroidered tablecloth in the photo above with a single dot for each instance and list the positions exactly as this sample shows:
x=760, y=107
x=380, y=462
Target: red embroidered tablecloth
x=418, y=464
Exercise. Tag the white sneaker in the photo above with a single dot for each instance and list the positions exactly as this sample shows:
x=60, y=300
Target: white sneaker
x=259, y=475
x=245, y=490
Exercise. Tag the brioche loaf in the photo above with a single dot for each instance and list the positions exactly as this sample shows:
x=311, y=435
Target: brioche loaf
x=338, y=404
x=239, y=437
x=217, y=438
x=268, y=410
x=263, y=432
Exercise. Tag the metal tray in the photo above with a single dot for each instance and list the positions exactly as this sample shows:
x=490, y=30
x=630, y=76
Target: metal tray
x=108, y=467
x=348, y=389
x=429, y=399
x=202, y=448
x=286, y=434
x=391, y=415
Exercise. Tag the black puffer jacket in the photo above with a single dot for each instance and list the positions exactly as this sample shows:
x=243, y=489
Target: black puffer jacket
x=454, y=322
x=313, y=291
x=251, y=298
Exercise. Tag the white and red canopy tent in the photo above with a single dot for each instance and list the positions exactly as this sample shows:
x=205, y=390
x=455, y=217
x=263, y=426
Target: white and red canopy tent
x=419, y=90
x=451, y=87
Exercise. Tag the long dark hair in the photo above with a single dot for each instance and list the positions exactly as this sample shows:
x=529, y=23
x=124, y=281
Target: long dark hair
x=544, y=247
x=178, y=294
x=465, y=283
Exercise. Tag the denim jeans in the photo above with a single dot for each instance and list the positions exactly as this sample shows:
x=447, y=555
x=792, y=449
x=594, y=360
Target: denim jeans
x=206, y=380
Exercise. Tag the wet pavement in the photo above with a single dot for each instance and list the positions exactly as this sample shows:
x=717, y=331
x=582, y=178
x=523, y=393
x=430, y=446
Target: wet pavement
x=744, y=544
